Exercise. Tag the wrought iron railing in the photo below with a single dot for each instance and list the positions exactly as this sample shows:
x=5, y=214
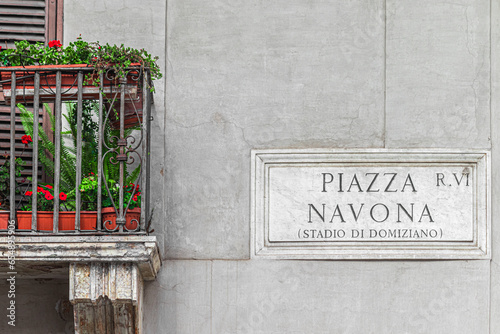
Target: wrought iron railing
x=112, y=95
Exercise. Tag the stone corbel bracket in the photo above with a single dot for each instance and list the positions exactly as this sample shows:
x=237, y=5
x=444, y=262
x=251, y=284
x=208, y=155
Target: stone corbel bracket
x=50, y=250
x=106, y=297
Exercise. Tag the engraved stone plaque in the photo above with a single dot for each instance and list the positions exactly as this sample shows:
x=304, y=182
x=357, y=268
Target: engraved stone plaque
x=370, y=204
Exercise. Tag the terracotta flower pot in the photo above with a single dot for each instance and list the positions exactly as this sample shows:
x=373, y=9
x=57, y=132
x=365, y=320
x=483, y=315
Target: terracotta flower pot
x=88, y=220
x=132, y=218
x=69, y=85
x=4, y=219
x=44, y=220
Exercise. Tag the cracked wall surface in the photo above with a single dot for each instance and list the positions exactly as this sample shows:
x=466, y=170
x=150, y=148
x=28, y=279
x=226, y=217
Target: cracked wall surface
x=438, y=74
x=248, y=74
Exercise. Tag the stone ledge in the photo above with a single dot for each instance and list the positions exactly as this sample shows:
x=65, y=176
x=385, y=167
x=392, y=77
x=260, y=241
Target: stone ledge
x=140, y=250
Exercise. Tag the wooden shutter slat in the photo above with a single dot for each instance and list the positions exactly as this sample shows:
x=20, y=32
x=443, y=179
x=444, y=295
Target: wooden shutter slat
x=28, y=20
x=26, y=156
x=35, y=3
x=5, y=117
x=22, y=12
x=19, y=145
x=6, y=136
x=22, y=37
x=7, y=127
x=23, y=29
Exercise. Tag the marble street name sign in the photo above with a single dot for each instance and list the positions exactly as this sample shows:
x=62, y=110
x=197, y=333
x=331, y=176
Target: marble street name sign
x=370, y=204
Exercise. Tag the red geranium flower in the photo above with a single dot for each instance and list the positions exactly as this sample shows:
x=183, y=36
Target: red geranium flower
x=48, y=196
x=55, y=44
x=62, y=196
x=134, y=198
x=28, y=193
x=26, y=139
x=48, y=186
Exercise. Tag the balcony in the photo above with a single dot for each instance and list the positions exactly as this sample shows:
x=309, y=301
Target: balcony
x=112, y=247
x=112, y=96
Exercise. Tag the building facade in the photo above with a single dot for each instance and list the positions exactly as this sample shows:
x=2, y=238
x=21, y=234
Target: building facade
x=295, y=74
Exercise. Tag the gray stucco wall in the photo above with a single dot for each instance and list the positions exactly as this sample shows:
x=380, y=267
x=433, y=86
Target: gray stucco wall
x=39, y=307
x=304, y=74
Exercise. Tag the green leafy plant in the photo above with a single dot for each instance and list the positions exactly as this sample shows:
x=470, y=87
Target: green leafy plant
x=101, y=57
x=25, y=53
x=118, y=58
x=89, y=134
x=88, y=190
x=46, y=150
x=19, y=164
x=131, y=194
x=5, y=180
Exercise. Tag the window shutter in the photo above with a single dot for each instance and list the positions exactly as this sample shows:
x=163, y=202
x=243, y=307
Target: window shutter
x=21, y=20
x=34, y=21
x=22, y=151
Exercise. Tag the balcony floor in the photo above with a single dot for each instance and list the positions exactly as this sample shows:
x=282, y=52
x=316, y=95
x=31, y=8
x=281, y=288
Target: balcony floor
x=49, y=256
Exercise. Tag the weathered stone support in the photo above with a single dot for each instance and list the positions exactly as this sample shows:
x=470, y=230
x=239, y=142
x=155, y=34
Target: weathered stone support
x=106, y=297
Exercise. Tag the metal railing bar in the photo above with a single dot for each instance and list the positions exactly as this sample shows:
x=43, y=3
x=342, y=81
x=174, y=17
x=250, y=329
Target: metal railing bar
x=12, y=194
x=36, y=114
x=99, y=153
x=78, y=150
x=57, y=144
x=147, y=196
x=146, y=111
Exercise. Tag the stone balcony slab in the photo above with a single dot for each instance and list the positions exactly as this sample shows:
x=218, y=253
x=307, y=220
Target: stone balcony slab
x=49, y=256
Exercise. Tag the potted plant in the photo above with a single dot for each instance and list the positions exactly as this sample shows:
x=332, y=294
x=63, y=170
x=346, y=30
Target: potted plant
x=46, y=149
x=45, y=213
x=131, y=203
x=88, y=205
x=103, y=59
x=5, y=182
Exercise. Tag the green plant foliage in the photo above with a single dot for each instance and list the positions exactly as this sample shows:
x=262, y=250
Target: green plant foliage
x=101, y=57
x=120, y=57
x=131, y=196
x=88, y=191
x=89, y=164
x=5, y=180
x=90, y=134
x=45, y=145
